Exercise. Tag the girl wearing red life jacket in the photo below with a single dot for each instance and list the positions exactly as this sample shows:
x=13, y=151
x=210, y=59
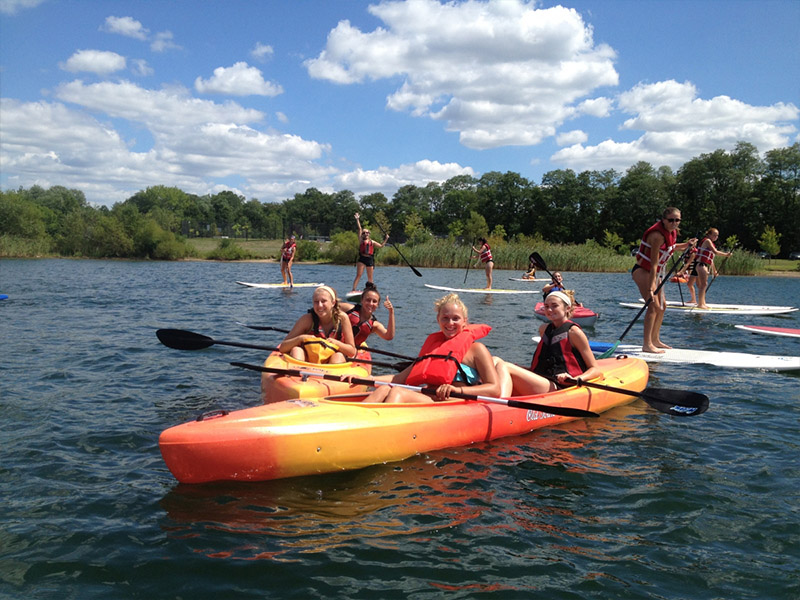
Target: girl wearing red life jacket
x=325, y=321
x=706, y=251
x=362, y=316
x=288, y=251
x=485, y=254
x=366, y=253
x=563, y=353
x=657, y=245
x=455, y=338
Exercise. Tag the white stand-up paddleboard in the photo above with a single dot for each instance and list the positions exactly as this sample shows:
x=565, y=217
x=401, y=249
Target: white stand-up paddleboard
x=527, y=280
x=683, y=356
x=270, y=286
x=781, y=331
x=719, y=309
x=479, y=290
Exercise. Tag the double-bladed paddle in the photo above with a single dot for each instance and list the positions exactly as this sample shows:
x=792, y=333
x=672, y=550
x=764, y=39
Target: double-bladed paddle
x=562, y=411
x=678, y=403
x=417, y=273
x=180, y=339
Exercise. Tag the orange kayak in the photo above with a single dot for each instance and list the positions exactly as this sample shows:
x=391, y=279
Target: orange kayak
x=277, y=388
x=317, y=435
x=681, y=279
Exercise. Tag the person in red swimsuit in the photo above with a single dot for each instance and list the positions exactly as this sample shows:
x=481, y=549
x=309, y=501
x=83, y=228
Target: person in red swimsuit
x=706, y=252
x=485, y=254
x=288, y=250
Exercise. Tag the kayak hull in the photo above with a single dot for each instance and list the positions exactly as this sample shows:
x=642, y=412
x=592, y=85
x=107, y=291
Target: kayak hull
x=312, y=436
x=279, y=388
x=582, y=315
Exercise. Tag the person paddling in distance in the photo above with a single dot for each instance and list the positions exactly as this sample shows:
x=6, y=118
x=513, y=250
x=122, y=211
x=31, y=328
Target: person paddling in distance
x=531, y=272
x=288, y=250
x=366, y=253
x=556, y=285
x=484, y=252
x=706, y=251
x=362, y=316
x=563, y=353
x=657, y=245
x=323, y=334
x=450, y=360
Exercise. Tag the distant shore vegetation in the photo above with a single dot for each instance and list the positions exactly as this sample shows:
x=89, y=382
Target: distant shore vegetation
x=587, y=221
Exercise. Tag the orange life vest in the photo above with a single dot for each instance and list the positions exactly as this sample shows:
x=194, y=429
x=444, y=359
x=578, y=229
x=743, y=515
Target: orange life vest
x=439, y=357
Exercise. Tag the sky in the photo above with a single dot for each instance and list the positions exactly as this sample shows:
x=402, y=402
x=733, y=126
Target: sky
x=268, y=98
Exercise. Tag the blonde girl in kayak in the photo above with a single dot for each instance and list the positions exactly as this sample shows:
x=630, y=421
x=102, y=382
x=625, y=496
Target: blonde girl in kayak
x=706, y=252
x=323, y=334
x=563, y=353
x=473, y=371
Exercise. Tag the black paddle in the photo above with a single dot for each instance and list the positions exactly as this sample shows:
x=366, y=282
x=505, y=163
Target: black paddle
x=180, y=339
x=417, y=273
x=678, y=403
x=539, y=262
x=367, y=348
x=561, y=411
x=722, y=266
x=611, y=350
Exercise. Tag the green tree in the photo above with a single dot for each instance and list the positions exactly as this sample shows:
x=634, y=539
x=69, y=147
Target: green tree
x=769, y=241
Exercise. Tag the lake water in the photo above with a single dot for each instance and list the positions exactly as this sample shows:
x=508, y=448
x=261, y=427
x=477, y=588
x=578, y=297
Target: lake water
x=635, y=504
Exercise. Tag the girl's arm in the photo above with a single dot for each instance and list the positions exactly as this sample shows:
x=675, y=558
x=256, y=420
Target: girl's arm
x=384, y=332
x=297, y=334
x=580, y=342
x=483, y=362
x=378, y=244
x=347, y=344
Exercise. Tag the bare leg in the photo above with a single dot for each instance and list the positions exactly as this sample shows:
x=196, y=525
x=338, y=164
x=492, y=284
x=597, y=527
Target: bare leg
x=283, y=271
x=359, y=273
x=298, y=353
x=406, y=396
x=652, y=316
x=702, y=284
x=659, y=320
x=370, y=271
x=489, y=267
x=691, y=284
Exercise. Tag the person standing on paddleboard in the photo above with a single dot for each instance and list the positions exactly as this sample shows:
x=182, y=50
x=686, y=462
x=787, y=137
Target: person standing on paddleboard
x=563, y=353
x=706, y=251
x=366, y=254
x=657, y=245
x=362, y=316
x=485, y=254
x=288, y=251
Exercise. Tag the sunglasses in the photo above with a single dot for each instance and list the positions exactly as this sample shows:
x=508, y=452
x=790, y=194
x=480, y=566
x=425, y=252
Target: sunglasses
x=673, y=220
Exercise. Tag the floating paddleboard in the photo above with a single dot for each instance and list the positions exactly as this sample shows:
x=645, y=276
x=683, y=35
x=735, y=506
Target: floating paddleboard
x=3, y=296
x=353, y=296
x=528, y=280
x=582, y=315
x=278, y=285
x=683, y=356
x=720, y=309
x=782, y=331
x=479, y=290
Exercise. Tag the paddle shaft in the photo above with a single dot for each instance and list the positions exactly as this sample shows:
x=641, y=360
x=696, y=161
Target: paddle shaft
x=188, y=340
x=417, y=273
x=553, y=410
x=469, y=260
x=722, y=266
x=656, y=401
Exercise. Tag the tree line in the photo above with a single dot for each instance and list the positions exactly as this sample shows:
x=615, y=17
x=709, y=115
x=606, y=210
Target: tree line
x=752, y=200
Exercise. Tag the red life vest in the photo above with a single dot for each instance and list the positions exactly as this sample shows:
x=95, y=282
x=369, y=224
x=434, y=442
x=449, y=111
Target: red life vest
x=705, y=255
x=486, y=253
x=361, y=329
x=438, y=370
x=664, y=252
x=366, y=248
x=288, y=251
x=555, y=354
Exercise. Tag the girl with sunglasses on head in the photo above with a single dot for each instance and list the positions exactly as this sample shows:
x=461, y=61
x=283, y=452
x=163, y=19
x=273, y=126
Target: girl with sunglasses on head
x=657, y=245
x=366, y=253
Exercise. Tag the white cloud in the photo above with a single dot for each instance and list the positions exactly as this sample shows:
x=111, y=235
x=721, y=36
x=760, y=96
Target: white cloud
x=262, y=52
x=499, y=73
x=239, y=80
x=568, y=138
x=281, y=117
x=140, y=67
x=678, y=126
x=99, y=62
x=12, y=7
x=163, y=41
x=126, y=26
x=388, y=180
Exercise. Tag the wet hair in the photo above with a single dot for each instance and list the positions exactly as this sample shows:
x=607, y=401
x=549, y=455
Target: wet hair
x=451, y=299
x=371, y=287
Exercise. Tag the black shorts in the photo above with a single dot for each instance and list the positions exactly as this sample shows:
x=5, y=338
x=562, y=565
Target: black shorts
x=368, y=261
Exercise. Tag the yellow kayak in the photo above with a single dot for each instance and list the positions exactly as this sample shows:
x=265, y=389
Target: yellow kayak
x=316, y=435
x=277, y=388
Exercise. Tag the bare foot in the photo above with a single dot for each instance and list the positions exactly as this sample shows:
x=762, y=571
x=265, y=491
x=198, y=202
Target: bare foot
x=702, y=306
x=652, y=350
x=660, y=344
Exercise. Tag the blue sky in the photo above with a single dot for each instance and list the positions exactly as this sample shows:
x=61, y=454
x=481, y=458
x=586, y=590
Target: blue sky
x=269, y=98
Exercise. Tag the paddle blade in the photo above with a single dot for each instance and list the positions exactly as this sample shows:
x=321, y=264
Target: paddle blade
x=678, y=403
x=180, y=339
x=537, y=258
